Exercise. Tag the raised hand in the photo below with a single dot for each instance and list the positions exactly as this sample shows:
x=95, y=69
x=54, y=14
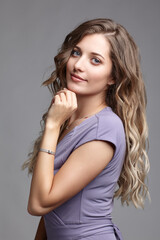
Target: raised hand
x=65, y=103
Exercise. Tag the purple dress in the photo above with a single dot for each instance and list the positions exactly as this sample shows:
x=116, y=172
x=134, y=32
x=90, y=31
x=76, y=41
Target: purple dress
x=87, y=215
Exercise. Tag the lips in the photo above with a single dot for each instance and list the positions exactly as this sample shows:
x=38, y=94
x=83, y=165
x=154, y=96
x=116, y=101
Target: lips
x=77, y=78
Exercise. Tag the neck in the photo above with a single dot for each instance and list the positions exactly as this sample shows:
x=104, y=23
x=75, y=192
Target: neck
x=88, y=105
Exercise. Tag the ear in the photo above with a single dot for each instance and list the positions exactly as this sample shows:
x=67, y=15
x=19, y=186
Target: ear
x=111, y=81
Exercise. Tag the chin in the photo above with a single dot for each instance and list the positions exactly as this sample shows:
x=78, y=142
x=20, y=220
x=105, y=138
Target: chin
x=73, y=88
x=77, y=89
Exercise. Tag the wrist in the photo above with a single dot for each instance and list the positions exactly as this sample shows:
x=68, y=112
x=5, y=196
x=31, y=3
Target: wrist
x=50, y=125
x=50, y=136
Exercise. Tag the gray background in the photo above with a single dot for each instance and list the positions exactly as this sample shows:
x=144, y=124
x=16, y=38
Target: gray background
x=31, y=31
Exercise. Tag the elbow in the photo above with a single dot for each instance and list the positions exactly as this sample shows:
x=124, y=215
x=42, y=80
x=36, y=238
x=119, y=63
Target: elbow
x=34, y=210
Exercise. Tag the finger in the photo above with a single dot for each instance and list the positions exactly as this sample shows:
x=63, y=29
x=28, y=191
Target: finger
x=57, y=94
x=74, y=99
x=69, y=97
x=62, y=96
x=57, y=99
x=62, y=90
x=73, y=95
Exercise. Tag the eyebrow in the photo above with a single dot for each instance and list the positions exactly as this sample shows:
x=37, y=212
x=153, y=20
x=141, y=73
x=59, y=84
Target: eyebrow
x=93, y=53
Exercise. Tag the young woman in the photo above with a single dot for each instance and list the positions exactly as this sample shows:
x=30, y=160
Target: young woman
x=93, y=136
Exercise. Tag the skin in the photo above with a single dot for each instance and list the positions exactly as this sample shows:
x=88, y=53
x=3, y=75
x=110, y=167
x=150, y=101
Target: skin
x=89, y=60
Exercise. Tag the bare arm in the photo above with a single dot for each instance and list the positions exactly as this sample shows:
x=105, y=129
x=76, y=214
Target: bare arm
x=43, y=178
x=41, y=231
x=83, y=165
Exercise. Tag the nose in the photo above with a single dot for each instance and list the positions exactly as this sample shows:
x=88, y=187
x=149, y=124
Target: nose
x=79, y=64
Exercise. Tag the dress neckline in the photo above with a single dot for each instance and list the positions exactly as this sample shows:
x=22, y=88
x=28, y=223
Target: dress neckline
x=81, y=123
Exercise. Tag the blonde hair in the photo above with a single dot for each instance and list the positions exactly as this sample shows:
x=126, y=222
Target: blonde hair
x=127, y=98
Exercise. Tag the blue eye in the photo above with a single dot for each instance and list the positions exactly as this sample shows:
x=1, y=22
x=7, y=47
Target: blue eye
x=96, y=60
x=75, y=53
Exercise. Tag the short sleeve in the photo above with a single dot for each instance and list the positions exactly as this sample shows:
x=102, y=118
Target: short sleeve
x=109, y=129
x=106, y=127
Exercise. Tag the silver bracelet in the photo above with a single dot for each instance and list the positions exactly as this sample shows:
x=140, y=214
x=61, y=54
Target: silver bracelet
x=47, y=151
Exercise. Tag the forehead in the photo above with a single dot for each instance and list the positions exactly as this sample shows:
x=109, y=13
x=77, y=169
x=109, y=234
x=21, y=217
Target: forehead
x=95, y=43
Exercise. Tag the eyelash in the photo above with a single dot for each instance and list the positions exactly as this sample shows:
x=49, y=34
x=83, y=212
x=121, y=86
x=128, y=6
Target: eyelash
x=74, y=51
x=96, y=60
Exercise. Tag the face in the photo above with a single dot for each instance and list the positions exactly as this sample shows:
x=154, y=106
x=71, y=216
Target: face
x=88, y=70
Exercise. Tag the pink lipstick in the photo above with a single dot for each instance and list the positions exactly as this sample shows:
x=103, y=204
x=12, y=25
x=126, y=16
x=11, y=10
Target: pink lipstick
x=77, y=78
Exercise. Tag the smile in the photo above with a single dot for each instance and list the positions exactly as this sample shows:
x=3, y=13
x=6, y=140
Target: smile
x=77, y=78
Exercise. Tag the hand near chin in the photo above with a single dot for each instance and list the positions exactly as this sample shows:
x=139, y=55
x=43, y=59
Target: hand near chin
x=64, y=105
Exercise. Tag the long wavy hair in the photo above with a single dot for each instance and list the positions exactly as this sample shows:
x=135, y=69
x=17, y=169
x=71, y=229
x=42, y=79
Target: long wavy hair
x=127, y=98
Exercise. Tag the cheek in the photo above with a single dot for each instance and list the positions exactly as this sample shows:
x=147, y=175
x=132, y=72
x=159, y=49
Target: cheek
x=69, y=64
x=100, y=76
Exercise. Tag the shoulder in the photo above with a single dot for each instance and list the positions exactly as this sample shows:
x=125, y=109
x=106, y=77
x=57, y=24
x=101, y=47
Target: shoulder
x=110, y=127
x=108, y=120
x=107, y=115
x=105, y=125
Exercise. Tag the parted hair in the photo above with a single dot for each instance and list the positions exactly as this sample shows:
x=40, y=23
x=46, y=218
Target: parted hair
x=127, y=98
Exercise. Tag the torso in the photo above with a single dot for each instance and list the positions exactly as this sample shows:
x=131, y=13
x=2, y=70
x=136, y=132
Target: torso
x=75, y=123
x=66, y=131
x=88, y=213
